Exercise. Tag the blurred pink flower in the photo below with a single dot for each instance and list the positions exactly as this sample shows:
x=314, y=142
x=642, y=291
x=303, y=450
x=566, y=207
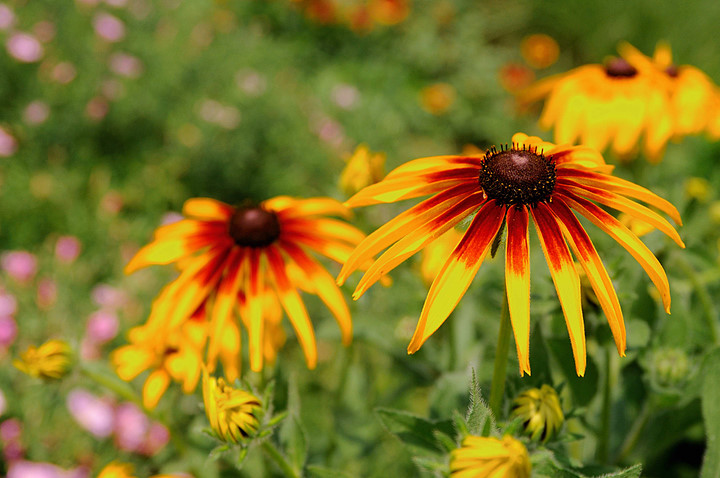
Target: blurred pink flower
x=345, y=96
x=44, y=30
x=109, y=27
x=112, y=89
x=67, y=249
x=8, y=330
x=12, y=452
x=20, y=265
x=89, y=349
x=94, y=414
x=97, y=108
x=112, y=202
x=214, y=112
x=330, y=131
x=131, y=426
x=102, y=326
x=24, y=47
x=7, y=17
x=8, y=304
x=36, y=112
x=108, y=296
x=157, y=437
x=46, y=293
x=10, y=430
x=126, y=65
x=251, y=82
x=8, y=144
x=30, y=469
x=116, y=3
x=64, y=72
x=171, y=217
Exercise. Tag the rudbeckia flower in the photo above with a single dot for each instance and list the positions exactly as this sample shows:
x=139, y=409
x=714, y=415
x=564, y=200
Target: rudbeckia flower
x=363, y=168
x=691, y=92
x=490, y=457
x=51, y=360
x=532, y=179
x=614, y=104
x=225, y=252
x=540, y=410
x=232, y=412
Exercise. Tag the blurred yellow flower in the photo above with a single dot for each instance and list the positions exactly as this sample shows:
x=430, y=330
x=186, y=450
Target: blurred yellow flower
x=691, y=92
x=51, y=360
x=363, y=168
x=636, y=226
x=388, y=12
x=116, y=469
x=436, y=253
x=613, y=105
x=437, y=98
x=715, y=212
x=490, y=457
x=176, y=355
x=539, y=50
x=232, y=412
x=698, y=189
x=540, y=410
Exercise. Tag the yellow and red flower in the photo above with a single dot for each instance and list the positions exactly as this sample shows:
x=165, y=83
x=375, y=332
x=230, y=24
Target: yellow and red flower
x=225, y=253
x=533, y=179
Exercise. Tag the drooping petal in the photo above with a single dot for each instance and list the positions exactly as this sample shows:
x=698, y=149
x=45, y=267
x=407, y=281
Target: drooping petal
x=207, y=209
x=621, y=186
x=458, y=272
x=565, y=277
x=225, y=300
x=625, y=238
x=154, y=388
x=401, y=225
x=599, y=280
x=324, y=286
x=517, y=282
x=294, y=307
x=418, y=238
x=254, y=287
x=623, y=204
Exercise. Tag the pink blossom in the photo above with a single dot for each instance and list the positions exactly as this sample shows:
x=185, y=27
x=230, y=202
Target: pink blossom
x=64, y=72
x=13, y=451
x=102, y=326
x=10, y=430
x=330, y=131
x=30, y=469
x=67, y=248
x=126, y=65
x=8, y=304
x=108, y=296
x=46, y=293
x=36, y=112
x=109, y=27
x=97, y=108
x=131, y=426
x=171, y=217
x=345, y=96
x=44, y=30
x=89, y=349
x=251, y=82
x=8, y=330
x=157, y=437
x=112, y=89
x=20, y=265
x=24, y=47
x=94, y=414
x=8, y=144
x=7, y=17
x=116, y=3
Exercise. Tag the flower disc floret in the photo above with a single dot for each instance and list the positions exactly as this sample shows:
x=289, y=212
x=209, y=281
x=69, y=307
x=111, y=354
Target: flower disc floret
x=620, y=68
x=517, y=176
x=254, y=227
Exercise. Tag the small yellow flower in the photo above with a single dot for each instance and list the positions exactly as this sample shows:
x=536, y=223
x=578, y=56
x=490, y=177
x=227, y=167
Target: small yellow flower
x=637, y=227
x=51, y=360
x=363, y=168
x=232, y=413
x=539, y=50
x=698, y=189
x=490, y=457
x=715, y=212
x=437, y=98
x=541, y=412
x=117, y=470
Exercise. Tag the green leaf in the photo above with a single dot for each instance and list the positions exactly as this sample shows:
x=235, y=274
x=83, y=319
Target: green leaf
x=292, y=435
x=711, y=415
x=633, y=472
x=480, y=419
x=417, y=433
x=315, y=471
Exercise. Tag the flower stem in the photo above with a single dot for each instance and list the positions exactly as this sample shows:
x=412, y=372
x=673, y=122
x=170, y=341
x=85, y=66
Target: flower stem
x=602, y=448
x=497, y=387
x=279, y=459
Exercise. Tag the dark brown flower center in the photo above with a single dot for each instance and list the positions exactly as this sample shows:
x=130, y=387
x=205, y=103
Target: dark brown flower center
x=672, y=71
x=254, y=226
x=619, y=68
x=517, y=176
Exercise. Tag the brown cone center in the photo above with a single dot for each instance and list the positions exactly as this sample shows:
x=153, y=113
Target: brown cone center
x=517, y=176
x=672, y=71
x=254, y=227
x=619, y=68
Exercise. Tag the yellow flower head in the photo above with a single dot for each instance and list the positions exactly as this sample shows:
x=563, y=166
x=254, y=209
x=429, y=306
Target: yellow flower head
x=698, y=189
x=51, y=360
x=117, y=470
x=363, y=168
x=173, y=356
x=232, y=412
x=611, y=105
x=539, y=50
x=437, y=98
x=541, y=412
x=490, y=457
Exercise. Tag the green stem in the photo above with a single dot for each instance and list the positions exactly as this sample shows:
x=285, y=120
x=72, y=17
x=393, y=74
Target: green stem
x=279, y=459
x=497, y=387
x=633, y=435
x=602, y=449
x=703, y=296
